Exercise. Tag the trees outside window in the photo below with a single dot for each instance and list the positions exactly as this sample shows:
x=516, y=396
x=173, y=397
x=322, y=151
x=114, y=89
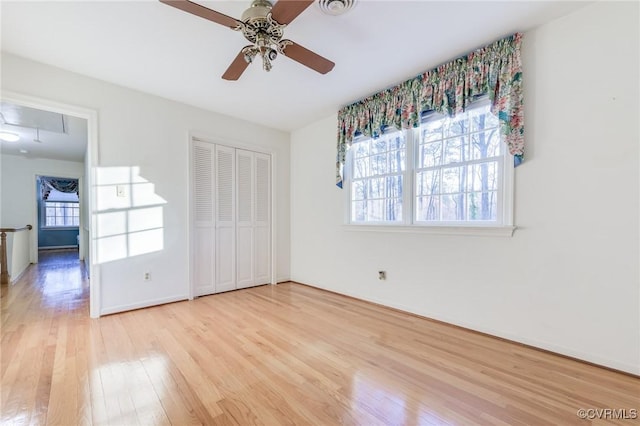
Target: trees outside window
x=450, y=172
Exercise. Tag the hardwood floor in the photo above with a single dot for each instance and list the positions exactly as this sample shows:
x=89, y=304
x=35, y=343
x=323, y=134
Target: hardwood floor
x=286, y=354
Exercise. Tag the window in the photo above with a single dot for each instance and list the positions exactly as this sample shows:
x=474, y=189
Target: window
x=378, y=179
x=61, y=214
x=451, y=171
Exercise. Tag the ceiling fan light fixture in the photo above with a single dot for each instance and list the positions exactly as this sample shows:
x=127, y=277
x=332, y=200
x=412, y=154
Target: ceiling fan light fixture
x=249, y=53
x=9, y=137
x=336, y=7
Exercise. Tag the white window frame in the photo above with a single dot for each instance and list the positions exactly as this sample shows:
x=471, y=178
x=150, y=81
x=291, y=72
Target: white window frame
x=406, y=196
x=62, y=227
x=410, y=224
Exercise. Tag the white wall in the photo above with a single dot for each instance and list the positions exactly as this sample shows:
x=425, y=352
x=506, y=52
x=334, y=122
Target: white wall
x=145, y=131
x=568, y=280
x=18, y=243
x=18, y=196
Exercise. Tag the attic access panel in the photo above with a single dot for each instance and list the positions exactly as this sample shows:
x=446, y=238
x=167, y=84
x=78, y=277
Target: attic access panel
x=21, y=116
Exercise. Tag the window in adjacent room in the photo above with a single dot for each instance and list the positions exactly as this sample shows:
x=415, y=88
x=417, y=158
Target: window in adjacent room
x=61, y=210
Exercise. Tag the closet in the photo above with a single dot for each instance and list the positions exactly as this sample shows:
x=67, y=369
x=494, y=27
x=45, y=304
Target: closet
x=231, y=218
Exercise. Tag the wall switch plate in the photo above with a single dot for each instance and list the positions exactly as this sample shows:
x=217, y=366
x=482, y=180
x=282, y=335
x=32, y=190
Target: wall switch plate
x=120, y=191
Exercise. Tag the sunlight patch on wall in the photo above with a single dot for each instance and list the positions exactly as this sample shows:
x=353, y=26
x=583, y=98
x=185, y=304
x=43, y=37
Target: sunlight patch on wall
x=129, y=220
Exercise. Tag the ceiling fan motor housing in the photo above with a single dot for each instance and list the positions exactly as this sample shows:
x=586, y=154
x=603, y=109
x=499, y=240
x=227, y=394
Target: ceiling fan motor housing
x=257, y=12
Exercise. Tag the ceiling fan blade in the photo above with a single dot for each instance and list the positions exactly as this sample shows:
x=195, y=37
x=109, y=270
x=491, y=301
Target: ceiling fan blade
x=308, y=58
x=285, y=11
x=203, y=12
x=236, y=68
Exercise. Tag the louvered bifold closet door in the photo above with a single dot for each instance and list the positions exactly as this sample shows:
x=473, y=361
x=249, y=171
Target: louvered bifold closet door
x=245, y=218
x=225, y=219
x=262, y=219
x=203, y=221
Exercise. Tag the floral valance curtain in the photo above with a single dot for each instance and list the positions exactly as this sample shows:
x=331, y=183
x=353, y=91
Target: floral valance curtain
x=494, y=70
x=62, y=185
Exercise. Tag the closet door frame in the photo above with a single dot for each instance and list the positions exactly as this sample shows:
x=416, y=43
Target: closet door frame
x=200, y=137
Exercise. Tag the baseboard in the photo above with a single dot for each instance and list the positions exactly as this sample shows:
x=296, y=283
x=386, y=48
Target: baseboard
x=58, y=247
x=141, y=305
x=613, y=365
x=14, y=280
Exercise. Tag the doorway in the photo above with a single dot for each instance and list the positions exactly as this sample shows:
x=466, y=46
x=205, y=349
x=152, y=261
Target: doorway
x=58, y=210
x=39, y=153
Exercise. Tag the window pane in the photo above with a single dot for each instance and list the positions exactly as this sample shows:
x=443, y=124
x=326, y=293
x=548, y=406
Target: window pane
x=396, y=161
x=379, y=145
x=379, y=165
x=428, y=208
x=482, y=206
x=376, y=188
x=430, y=154
x=61, y=213
x=453, y=151
x=360, y=149
x=375, y=210
x=358, y=211
x=393, y=209
x=451, y=181
x=456, y=126
x=361, y=168
x=396, y=141
x=359, y=190
x=485, y=144
x=428, y=182
x=482, y=119
x=483, y=177
x=393, y=187
x=432, y=129
x=453, y=207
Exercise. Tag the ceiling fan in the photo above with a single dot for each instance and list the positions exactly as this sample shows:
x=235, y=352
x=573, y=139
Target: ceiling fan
x=263, y=25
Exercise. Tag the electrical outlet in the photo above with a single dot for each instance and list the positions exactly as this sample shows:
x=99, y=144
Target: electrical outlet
x=382, y=275
x=147, y=276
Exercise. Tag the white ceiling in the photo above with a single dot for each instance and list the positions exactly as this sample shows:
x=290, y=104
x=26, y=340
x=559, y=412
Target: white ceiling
x=155, y=48
x=68, y=142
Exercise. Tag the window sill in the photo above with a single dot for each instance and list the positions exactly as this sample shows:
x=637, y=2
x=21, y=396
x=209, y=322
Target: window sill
x=476, y=231
x=59, y=228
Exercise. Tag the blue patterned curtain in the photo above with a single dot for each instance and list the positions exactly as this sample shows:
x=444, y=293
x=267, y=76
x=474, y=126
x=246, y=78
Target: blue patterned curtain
x=62, y=185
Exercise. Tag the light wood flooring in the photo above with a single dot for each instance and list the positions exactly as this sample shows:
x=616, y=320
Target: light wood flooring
x=271, y=355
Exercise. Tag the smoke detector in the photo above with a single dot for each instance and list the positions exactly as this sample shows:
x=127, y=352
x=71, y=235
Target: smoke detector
x=336, y=7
